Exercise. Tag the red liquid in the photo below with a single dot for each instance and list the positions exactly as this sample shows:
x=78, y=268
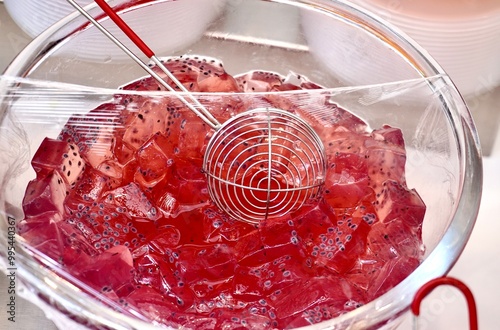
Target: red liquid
x=120, y=202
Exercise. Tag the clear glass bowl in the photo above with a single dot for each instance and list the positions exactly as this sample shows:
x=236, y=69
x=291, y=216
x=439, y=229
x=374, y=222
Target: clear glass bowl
x=370, y=68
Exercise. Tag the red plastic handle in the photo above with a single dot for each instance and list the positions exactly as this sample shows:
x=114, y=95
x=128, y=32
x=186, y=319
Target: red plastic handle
x=431, y=285
x=125, y=28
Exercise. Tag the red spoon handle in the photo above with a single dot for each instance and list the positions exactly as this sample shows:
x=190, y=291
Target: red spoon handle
x=431, y=285
x=125, y=28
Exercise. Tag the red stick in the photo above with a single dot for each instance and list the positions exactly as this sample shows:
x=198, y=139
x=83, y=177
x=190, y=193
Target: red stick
x=125, y=28
x=431, y=285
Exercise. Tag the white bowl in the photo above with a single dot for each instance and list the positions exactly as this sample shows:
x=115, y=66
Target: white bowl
x=34, y=16
x=183, y=24
x=464, y=36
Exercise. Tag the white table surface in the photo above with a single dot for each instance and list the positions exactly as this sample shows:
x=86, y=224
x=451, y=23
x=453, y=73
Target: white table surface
x=443, y=309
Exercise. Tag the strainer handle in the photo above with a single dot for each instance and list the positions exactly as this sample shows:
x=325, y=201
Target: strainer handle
x=201, y=111
x=194, y=105
x=431, y=285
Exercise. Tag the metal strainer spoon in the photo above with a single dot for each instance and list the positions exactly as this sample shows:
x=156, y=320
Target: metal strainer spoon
x=260, y=164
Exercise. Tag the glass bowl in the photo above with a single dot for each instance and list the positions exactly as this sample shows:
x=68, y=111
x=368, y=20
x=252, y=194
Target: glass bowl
x=366, y=65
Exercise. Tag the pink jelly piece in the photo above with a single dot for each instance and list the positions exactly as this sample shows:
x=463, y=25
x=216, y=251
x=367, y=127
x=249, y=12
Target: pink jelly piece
x=317, y=299
x=60, y=156
x=396, y=201
x=93, y=133
x=110, y=270
x=391, y=274
x=43, y=234
x=45, y=195
x=394, y=240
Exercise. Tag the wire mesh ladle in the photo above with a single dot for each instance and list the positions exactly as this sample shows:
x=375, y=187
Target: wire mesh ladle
x=260, y=164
